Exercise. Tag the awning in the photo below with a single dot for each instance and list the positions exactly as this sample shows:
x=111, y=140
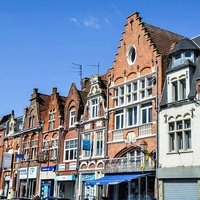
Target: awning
x=110, y=179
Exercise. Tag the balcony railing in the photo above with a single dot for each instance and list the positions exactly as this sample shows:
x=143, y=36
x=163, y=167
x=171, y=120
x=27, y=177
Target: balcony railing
x=145, y=130
x=128, y=164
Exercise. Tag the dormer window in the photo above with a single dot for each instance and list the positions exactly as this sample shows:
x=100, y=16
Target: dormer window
x=179, y=58
x=178, y=89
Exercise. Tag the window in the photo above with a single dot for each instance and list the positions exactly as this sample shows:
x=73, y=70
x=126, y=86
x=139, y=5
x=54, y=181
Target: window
x=119, y=119
x=31, y=121
x=182, y=89
x=135, y=158
x=179, y=89
x=54, y=148
x=131, y=92
x=119, y=96
x=146, y=113
x=94, y=108
x=132, y=116
x=131, y=57
x=34, y=149
x=180, y=135
x=70, y=150
x=174, y=90
x=72, y=118
x=52, y=119
x=179, y=59
x=99, y=143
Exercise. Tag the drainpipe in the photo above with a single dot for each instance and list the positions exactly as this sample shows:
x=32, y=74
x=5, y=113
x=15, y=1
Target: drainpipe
x=157, y=130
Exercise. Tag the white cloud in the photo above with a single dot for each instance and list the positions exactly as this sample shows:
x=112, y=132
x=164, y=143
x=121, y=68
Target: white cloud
x=92, y=22
x=74, y=20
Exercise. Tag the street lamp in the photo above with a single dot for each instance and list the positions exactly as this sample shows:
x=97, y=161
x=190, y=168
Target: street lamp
x=78, y=127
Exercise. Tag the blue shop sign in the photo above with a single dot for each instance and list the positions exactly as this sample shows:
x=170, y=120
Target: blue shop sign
x=47, y=169
x=86, y=144
x=86, y=177
x=20, y=156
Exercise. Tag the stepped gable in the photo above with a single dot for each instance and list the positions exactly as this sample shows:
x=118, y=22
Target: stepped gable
x=43, y=101
x=161, y=39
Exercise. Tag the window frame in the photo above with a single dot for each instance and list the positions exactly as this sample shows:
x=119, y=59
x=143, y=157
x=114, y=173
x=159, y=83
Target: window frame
x=74, y=150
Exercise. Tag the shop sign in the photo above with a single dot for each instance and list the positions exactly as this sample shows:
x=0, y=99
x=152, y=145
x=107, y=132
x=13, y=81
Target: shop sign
x=47, y=169
x=66, y=178
x=61, y=167
x=86, y=177
x=86, y=144
x=72, y=166
x=7, y=160
x=32, y=172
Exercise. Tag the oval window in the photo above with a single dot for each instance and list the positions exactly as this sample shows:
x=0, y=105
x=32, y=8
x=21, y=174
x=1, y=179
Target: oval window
x=131, y=55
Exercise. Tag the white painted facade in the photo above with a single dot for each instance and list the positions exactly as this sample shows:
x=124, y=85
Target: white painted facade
x=190, y=157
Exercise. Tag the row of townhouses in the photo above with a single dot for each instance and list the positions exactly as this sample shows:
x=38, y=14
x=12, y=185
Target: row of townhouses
x=131, y=133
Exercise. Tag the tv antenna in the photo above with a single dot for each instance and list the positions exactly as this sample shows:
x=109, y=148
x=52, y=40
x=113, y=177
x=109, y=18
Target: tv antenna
x=80, y=68
x=98, y=66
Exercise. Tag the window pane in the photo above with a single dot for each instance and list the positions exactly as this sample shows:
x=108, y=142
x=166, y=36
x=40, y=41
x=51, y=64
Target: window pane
x=150, y=115
x=183, y=88
x=187, y=123
x=180, y=140
x=175, y=91
x=172, y=141
x=188, y=54
x=144, y=116
x=171, y=126
x=188, y=144
x=179, y=125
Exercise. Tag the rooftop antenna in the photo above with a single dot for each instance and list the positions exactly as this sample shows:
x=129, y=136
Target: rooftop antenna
x=96, y=66
x=79, y=66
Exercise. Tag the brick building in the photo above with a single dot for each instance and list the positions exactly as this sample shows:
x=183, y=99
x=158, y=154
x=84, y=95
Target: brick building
x=136, y=82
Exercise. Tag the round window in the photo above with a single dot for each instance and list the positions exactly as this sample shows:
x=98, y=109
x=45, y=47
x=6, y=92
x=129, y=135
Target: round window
x=131, y=55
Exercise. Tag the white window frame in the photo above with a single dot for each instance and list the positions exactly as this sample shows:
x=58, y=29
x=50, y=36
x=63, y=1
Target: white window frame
x=147, y=108
x=74, y=149
x=97, y=135
x=52, y=119
x=134, y=116
x=94, y=107
x=54, y=148
x=119, y=115
x=180, y=128
x=72, y=118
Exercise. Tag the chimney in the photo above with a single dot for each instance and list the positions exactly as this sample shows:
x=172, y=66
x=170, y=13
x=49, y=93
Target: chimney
x=35, y=93
x=85, y=84
x=13, y=113
x=54, y=90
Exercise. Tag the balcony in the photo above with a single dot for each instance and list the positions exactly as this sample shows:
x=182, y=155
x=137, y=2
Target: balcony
x=129, y=164
x=145, y=130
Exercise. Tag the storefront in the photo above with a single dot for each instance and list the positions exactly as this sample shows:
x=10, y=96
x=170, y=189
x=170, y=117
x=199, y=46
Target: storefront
x=88, y=191
x=27, y=178
x=126, y=186
x=47, y=176
x=65, y=186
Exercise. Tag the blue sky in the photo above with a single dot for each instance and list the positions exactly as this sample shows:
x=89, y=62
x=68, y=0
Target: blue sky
x=40, y=39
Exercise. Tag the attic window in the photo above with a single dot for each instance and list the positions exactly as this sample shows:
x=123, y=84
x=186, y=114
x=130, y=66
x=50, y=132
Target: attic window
x=131, y=56
x=178, y=56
